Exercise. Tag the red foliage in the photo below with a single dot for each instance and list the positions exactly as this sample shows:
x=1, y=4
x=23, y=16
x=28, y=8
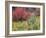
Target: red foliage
x=20, y=13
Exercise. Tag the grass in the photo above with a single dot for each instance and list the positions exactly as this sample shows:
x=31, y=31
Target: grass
x=31, y=24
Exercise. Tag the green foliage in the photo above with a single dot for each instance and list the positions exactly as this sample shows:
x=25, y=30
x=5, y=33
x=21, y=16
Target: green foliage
x=31, y=20
x=32, y=23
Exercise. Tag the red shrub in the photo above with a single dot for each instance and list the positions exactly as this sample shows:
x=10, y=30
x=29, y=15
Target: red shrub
x=20, y=13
